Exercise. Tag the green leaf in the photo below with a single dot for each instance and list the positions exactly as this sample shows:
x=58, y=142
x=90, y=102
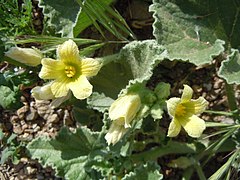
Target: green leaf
x=230, y=68
x=148, y=171
x=5, y=154
x=8, y=98
x=99, y=12
x=83, y=20
x=203, y=20
x=60, y=14
x=99, y=102
x=162, y=90
x=67, y=153
x=186, y=36
x=222, y=170
x=87, y=51
x=157, y=109
x=193, y=51
x=135, y=62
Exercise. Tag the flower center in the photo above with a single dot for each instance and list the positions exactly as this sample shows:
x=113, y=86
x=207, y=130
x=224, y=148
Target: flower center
x=180, y=110
x=70, y=71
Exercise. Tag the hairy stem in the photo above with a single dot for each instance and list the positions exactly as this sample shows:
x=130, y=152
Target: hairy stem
x=231, y=97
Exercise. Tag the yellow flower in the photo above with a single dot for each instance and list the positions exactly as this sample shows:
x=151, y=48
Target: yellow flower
x=69, y=72
x=28, y=56
x=124, y=109
x=184, y=111
x=115, y=133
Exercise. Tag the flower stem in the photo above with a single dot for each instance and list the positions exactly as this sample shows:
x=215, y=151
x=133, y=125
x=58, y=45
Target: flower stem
x=220, y=112
x=199, y=172
x=231, y=97
x=172, y=147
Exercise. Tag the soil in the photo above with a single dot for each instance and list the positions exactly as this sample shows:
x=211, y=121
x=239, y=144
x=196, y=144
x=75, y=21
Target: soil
x=35, y=118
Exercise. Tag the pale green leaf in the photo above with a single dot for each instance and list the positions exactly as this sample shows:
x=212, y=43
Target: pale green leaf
x=99, y=102
x=8, y=97
x=202, y=20
x=230, y=68
x=157, y=109
x=194, y=51
x=67, y=153
x=162, y=90
x=187, y=36
x=135, y=62
x=60, y=14
x=148, y=171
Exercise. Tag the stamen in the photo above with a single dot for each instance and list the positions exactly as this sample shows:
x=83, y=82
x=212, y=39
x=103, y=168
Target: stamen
x=70, y=71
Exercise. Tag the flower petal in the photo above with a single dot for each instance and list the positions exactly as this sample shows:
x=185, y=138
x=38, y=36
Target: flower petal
x=60, y=88
x=90, y=66
x=115, y=133
x=51, y=69
x=125, y=108
x=196, y=106
x=193, y=125
x=174, y=128
x=58, y=101
x=68, y=52
x=28, y=56
x=187, y=94
x=43, y=92
x=172, y=105
x=81, y=87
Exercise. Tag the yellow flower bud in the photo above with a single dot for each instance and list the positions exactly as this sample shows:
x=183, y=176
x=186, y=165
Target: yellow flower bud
x=28, y=56
x=122, y=112
x=124, y=109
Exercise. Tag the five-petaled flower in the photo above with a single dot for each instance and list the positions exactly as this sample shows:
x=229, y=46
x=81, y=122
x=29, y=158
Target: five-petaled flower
x=69, y=71
x=184, y=111
x=122, y=112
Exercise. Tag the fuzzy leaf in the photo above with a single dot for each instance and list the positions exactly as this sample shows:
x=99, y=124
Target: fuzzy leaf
x=230, y=68
x=195, y=52
x=99, y=102
x=204, y=20
x=157, y=109
x=148, y=171
x=67, y=153
x=8, y=98
x=135, y=62
x=185, y=29
x=61, y=14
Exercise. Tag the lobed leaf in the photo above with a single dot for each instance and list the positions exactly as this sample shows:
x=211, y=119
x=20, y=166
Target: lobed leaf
x=8, y=98
x=67, y=153
x=148, y=171
x=135, y=62
x=61, y=15
x=184, y=27
x=230, y=68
